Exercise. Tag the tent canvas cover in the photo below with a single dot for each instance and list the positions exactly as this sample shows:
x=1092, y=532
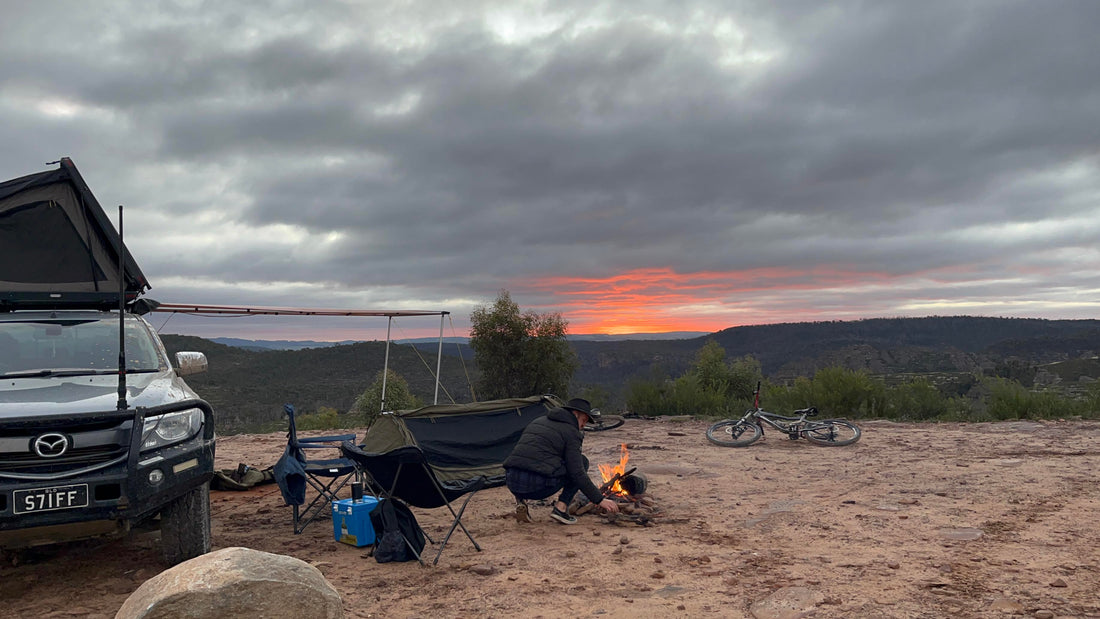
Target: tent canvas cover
x=59, y=247
x=461, y=442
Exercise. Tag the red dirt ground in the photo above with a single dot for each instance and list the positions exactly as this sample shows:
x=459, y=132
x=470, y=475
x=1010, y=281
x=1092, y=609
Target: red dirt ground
x=947, y=520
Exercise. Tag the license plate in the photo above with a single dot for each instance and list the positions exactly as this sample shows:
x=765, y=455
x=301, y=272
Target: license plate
x=50, y=499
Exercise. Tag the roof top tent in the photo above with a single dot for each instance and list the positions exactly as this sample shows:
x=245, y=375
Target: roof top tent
x=200, y=310
x=60, y=249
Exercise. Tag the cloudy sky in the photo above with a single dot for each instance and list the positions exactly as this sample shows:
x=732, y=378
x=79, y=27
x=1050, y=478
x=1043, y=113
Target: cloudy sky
x=637, y=166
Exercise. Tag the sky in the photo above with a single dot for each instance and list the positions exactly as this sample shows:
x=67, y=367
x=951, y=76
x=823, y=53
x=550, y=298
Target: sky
x=634, y=166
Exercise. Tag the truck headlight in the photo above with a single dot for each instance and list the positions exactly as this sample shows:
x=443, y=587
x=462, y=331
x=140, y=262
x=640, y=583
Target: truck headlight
x=170, y=428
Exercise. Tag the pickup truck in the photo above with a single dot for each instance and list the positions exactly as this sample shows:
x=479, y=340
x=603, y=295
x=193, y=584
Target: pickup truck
x=99, y=433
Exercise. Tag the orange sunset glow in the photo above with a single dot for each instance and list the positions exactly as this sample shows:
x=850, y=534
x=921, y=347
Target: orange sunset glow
x=661, y=300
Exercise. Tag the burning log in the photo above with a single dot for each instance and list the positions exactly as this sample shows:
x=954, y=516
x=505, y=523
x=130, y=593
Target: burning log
x=608, y=489
x=627, y=488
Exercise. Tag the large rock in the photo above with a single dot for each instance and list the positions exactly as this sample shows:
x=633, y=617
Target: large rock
x=235, y=582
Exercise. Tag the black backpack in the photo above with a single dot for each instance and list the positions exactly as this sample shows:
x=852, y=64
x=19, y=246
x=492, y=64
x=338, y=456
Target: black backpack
x=394, y=523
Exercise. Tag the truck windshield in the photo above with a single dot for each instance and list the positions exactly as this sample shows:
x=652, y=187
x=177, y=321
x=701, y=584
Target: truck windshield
x=72, y=346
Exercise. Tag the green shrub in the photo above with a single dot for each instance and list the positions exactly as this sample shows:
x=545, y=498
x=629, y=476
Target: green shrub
x=711, y=388
x=916, y=400
x=326, y=418
x=1009, y=399
x=398, y=397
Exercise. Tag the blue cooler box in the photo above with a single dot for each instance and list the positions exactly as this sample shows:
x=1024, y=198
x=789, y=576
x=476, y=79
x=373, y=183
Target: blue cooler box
x=351, y=521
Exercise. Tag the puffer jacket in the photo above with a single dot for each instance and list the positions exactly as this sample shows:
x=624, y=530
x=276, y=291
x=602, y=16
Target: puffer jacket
x=551, y=446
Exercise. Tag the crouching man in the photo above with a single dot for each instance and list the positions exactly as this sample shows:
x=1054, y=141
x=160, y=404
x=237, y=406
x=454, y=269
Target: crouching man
x=548, y=458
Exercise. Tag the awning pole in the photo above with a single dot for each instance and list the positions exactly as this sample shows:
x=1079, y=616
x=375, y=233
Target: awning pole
x=439, y=360
x=386, y=363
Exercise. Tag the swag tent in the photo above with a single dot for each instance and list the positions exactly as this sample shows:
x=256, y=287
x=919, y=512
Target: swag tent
x=461, y=442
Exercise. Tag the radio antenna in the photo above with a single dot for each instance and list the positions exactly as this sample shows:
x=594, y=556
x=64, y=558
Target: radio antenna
x=122, y=404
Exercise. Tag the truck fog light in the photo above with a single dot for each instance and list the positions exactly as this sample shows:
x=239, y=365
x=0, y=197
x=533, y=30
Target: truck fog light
x=156, y=476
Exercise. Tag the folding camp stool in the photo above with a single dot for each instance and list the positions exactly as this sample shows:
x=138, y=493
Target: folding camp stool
x=404, y=473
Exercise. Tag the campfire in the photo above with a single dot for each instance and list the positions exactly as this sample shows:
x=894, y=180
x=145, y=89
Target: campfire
x=627, y=488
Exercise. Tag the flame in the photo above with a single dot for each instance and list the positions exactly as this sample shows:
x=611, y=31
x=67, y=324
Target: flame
x=607, y=471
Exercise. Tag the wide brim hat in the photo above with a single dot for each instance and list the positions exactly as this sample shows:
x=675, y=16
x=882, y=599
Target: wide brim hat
x=583, y=406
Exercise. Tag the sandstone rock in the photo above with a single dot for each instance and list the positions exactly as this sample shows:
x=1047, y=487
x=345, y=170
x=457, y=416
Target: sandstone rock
x=1007, y=606
x=787, y=603
x=235, y=582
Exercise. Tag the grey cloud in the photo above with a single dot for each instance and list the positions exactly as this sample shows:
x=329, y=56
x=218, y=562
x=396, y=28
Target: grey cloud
x=860, y=136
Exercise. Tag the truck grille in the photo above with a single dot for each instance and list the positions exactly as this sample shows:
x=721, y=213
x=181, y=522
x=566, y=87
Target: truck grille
x=92, y=440
x=74, y=458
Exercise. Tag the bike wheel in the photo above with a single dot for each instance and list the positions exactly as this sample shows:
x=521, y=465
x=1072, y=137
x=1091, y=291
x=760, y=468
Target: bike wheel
x=606, y=422
x=734, y=433
x=831, y=432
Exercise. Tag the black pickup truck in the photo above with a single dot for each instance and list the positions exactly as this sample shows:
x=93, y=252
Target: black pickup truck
x=99, y=433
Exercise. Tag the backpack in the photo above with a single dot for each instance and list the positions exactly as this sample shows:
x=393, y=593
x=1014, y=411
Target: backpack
x=394, y=523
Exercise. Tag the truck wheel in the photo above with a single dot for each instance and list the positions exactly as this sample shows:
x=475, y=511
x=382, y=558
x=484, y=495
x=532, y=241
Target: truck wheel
x=185, y=526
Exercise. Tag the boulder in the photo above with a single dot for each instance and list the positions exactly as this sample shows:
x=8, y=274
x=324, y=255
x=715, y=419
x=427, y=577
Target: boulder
x=235, y=582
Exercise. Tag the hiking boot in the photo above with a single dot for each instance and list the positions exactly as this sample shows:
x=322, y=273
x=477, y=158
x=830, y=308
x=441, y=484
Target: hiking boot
x=523, y=515
x=562, y=517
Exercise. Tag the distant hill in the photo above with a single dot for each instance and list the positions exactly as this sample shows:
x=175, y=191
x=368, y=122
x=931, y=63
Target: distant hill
x=301, y=344
x=881, y=346
x=248, y=386
x=259, y=345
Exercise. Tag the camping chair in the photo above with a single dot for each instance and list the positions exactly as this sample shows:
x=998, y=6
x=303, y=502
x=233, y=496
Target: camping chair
x=295, y=470
x=404, y=473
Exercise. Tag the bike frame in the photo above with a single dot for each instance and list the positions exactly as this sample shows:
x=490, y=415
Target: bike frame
x=782, y=423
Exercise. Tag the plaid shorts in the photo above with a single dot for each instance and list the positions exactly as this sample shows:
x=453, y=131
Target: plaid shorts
x=530, y=485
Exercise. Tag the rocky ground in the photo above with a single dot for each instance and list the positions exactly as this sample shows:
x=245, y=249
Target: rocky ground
x=947, y=520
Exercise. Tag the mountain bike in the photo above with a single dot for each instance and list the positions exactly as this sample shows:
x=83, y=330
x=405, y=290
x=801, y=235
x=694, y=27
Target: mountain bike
x=749, y=428
x=606, y=422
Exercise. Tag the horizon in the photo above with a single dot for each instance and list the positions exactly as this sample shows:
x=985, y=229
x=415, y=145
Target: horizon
x=271, y=332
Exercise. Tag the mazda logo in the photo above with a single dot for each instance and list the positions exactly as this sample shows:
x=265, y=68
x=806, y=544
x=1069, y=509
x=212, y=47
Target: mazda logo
x=51, y=445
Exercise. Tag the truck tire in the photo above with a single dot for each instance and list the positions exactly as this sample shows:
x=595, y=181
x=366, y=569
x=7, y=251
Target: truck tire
x=185, y=526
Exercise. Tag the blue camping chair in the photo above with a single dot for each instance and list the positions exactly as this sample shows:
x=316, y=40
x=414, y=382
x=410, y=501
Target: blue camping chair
x=296, y=471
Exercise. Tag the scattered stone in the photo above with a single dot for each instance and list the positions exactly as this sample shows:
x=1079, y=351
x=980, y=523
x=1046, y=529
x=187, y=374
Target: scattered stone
x=786, y=603
x=624, y=540
x=962, y=534
x=1007, y=606
x=570, y=553
x=1058, y=582
x=893, y=565
x=658, y=574
x=235, y=582
x=1044, y=614
x=484, y=570
x=909, y=501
